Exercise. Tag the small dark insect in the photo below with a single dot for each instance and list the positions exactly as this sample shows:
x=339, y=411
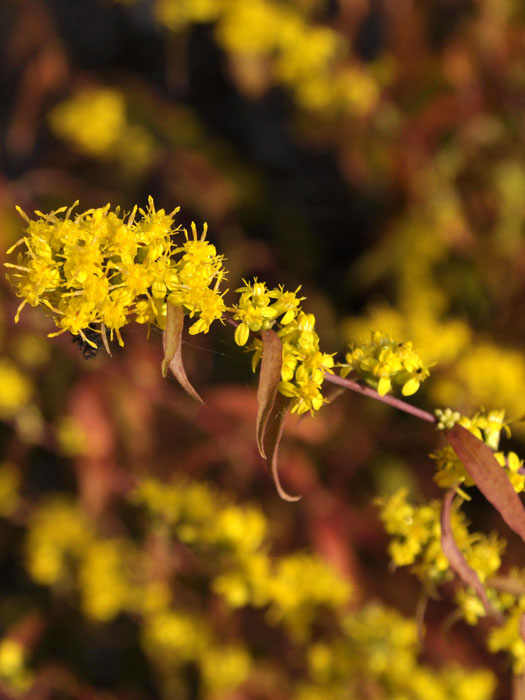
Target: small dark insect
x=87, y=350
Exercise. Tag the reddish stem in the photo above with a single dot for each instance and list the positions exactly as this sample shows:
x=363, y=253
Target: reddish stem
x=388, y=399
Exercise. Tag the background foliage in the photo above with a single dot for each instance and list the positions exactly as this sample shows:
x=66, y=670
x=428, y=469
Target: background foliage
x=367, y=150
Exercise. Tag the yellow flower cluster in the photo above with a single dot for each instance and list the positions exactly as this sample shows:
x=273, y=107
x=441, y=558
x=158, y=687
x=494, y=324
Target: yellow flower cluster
x=259, y=308
x=291, y=588
x=63, y=547
x=383, y=363
x=486, y=426
x=14, y=675
x=106, y=576
x=95, y=269
x=113, y=576
x=508, y=637
x=174, y=638
x=94, y=120
x=199, y=517
x=281, y=41
x=485, y=375
x=438, y=340
x=303, y=364
x=177, y=14
x=378, y=651
x=446, y=418
x=16, y=389
x=507, y=597
x=373, y=645
x=59, y=532
x=416, y=539
x=416, y=535
x=233, y=538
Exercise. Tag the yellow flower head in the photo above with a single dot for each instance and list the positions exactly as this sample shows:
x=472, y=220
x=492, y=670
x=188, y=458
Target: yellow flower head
x=95, y=270
x=303, y=365
x=384, y=363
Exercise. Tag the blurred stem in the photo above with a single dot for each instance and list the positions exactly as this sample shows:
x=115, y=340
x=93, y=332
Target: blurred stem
x=508, y=585
x=518, y=687
x=388, y=399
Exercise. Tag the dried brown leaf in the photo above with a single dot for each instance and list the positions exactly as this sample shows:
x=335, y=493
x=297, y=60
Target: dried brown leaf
x=269, y=378
x=489, y=477
x=172, y=343
x=272, y=438
x=454, y=555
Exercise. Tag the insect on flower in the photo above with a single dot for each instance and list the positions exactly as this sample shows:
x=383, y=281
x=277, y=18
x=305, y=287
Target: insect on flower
x=88, y=351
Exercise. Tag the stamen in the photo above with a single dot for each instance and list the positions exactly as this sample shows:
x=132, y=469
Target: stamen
x=23, y=215
x=20, y=307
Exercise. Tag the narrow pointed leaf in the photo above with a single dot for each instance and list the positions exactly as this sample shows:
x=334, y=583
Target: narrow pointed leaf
x=490, y=478
x=172, y=342
x=269, y=378
x=171, y=337
x=272, y=438
x=454, y=555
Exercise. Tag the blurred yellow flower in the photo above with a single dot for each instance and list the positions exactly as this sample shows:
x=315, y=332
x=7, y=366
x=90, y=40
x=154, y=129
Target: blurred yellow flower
x=93, y=120
x=13, y=672
x=16, y=389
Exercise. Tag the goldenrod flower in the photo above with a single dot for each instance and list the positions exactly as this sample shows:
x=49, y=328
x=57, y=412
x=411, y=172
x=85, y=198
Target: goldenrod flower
x=486, y=426
x=16, y=389
x=303, y=365
x=416, y=539
x=383, y=363
x=254, y=310
x=14, y=674
x=93, y=120
x=96, y=270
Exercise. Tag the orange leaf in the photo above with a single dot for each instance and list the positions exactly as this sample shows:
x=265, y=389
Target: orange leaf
x=489, y=477
x=172, y=342
x=269, y=378
x=272, y=438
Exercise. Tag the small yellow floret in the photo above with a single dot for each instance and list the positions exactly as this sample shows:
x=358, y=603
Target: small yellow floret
x=383, y=363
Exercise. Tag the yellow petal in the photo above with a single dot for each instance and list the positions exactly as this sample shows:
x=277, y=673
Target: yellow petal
x=384, y=385
x=242, y=333
x=410, y=387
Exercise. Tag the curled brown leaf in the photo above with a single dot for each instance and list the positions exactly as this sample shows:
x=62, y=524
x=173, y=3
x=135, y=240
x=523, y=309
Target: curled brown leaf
x=272, y=438
x=455, y=557
x=269, y=378
x=172, y=342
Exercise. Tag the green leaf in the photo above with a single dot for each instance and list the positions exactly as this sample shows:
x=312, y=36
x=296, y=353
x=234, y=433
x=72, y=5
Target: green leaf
x=272, y=438
x=269, y=378
x=489, y=477
x=172, y=342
